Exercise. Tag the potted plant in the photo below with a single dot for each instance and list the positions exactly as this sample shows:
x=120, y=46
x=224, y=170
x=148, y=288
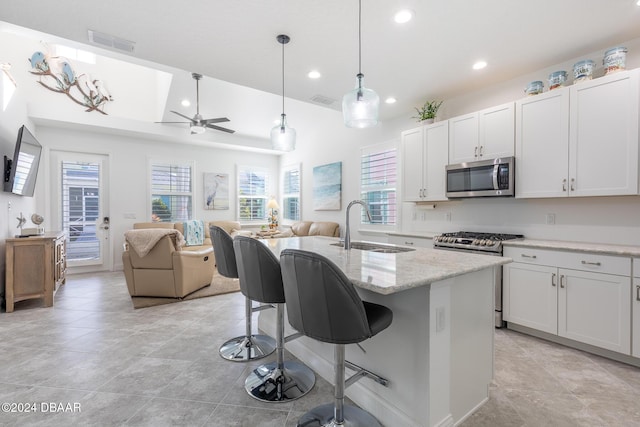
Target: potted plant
x=427, y=113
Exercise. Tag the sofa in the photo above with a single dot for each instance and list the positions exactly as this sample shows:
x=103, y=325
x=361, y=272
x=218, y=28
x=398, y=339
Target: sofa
x=311, y=228
x=169, y=267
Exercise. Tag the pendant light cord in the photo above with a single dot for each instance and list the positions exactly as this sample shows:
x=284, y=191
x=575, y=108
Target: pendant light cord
x=359, y=36
x=282, y=78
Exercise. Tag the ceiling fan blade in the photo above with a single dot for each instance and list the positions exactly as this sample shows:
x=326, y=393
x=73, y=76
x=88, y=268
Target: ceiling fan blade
x=218, y=120
x=219, y=128
x=182, y=115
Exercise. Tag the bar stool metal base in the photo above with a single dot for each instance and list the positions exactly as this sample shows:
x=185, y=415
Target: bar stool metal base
x=271, y=384
x=323, y=416
x=245, y=348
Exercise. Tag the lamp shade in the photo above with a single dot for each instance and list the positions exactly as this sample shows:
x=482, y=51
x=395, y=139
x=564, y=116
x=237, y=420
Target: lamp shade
x=360, y=106
x=272, y=204
x=283, y=138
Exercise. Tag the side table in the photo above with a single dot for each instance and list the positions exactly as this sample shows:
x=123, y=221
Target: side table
x=36, y=267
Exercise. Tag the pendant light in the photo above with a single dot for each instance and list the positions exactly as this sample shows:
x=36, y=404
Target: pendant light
x=360, y=106
x=283, y=137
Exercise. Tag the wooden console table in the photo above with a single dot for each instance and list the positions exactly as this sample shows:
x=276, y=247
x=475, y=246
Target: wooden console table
x=36, y=267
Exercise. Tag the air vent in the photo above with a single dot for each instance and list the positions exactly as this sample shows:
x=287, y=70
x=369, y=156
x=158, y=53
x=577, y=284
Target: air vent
x=111, y=42
x=324, y=100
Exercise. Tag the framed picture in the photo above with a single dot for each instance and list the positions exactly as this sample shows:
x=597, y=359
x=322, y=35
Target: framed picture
x=216, y=191
x=327, y=187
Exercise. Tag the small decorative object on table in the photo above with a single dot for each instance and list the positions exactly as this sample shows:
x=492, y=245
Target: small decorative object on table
x=427, y=113
x=273, y=215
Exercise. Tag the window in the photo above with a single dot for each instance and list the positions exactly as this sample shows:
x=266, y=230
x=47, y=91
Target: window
x=378, y=165
x=253, y=187
x=291, y=193
x=171, y=192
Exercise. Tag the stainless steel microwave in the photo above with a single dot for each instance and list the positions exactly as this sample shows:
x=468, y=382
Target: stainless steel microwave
x=484, y=178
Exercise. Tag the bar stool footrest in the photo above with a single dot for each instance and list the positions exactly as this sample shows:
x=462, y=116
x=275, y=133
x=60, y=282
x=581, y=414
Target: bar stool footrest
x=362, y=372
x=323, y=416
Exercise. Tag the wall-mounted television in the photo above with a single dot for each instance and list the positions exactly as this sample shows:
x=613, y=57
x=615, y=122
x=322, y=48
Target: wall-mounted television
x=20, y=172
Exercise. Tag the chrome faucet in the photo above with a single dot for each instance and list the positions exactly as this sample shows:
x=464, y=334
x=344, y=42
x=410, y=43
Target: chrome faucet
x=347, y=233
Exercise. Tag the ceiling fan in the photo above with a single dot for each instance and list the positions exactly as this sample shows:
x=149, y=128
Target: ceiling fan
x=197, y=124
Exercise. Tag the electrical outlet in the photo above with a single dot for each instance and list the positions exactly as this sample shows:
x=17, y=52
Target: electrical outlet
x=447, y=216
x=550, y=219
x=9, y=206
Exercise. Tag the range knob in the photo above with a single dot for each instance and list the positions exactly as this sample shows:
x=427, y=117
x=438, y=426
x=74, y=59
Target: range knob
x=483, y=242
x=451, y=239
x=489, y=242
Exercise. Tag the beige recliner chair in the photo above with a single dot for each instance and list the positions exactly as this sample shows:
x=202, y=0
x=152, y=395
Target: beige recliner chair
x=166, y=270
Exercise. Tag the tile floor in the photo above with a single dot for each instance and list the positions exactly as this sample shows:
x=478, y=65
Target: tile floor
x=159, y=366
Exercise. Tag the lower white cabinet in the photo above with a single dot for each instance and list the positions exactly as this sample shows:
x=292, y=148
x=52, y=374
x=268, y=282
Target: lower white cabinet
x=635, y=315
x=590, y=305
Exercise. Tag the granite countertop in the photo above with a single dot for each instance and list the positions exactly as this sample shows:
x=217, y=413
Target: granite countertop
x=600, y=248
x=386, y=273
x=418, y=235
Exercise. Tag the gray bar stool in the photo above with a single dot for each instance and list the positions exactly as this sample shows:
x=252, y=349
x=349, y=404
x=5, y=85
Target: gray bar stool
x=246, y=347
x=323, y=304
x=261, y=280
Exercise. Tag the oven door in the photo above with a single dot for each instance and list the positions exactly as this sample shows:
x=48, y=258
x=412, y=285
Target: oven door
x=484, y=178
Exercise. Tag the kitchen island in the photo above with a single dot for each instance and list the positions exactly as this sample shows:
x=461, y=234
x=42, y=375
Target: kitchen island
x=438, y=352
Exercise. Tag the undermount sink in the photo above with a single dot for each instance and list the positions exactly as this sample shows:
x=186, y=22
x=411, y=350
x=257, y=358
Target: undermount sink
x=375, y=247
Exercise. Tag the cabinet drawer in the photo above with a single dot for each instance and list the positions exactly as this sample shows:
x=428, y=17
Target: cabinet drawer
x=573, y=260
x=531, y=256
x=419, y=242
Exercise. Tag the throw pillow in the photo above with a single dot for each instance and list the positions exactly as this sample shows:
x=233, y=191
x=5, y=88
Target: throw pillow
x=193, y=232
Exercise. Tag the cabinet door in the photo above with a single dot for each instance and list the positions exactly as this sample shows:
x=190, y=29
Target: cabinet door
x=594, y=308
x=463, y=139
x=604, y=136
x=530, y=296
x=542, y=145
x=497, y=134
x=412, y=164
x=436, y=139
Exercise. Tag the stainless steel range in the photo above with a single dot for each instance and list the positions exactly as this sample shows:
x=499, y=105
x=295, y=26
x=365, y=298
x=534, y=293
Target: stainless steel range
x=482, y=243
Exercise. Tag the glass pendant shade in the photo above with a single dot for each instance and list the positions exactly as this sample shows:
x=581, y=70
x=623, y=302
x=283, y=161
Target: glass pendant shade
x=283, y=138
x=360, y=106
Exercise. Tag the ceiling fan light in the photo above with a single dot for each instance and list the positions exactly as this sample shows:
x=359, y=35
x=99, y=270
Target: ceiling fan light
x=283, y=137
x=360, y=106
x=197, y=129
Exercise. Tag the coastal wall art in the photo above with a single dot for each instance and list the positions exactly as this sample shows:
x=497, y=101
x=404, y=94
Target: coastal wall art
x=327, y=187
x=216, y=191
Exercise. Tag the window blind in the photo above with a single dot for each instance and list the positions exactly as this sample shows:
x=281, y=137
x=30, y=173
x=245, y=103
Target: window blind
x=378, y=173
x=253, y=185
x=171, y=192
x=291, y=194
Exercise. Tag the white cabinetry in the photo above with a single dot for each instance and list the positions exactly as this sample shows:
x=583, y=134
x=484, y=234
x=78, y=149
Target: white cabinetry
x=580, y=296
x=579, y=141
x=635, y=352
x=482, y=135
x=418, y=242
x=424, y=157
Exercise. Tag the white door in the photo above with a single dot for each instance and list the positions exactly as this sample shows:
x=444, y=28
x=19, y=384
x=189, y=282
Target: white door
x=79, y=206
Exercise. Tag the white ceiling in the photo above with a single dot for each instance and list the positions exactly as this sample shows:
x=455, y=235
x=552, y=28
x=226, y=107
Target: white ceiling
x=430, y=57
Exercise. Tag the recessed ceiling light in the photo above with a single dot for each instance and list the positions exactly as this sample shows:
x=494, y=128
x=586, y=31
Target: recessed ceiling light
x=638, y=2
x=479, y=65
x=314, y=74
x=390, y=100
x=186, y=103
x=403, y=16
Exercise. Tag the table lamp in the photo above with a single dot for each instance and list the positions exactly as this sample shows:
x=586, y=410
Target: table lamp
x=273, y=215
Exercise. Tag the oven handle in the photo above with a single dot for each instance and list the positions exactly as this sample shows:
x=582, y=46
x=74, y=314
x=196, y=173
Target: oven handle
x=495, y=177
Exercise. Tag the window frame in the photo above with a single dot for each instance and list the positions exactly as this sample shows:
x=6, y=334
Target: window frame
x=368, y=151
x=284, y=195
x=152, y=162
x=264, y=197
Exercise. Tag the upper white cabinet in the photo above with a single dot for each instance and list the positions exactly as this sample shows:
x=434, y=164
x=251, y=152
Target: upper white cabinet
x=579, y=141
x=542, y=144
x=482, y=135
x=424, y=157
x=603, y=136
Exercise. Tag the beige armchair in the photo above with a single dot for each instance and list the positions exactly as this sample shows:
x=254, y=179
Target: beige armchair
x=311, y=228
x=165, y=270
